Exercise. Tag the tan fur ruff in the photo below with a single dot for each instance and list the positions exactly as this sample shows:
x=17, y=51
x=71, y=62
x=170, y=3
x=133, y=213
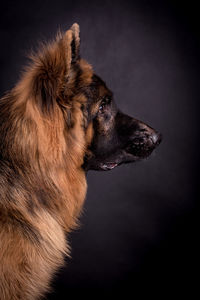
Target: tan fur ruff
x=41, y=180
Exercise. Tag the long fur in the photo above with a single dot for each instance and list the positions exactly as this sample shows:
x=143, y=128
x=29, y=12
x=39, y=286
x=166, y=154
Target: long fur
x=42, y=184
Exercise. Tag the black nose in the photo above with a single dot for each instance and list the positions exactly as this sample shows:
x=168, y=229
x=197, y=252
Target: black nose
x=156, y=138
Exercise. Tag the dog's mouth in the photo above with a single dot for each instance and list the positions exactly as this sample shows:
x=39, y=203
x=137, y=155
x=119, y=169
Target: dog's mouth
x=140, y=148
x=137, y=149
x=108, y=166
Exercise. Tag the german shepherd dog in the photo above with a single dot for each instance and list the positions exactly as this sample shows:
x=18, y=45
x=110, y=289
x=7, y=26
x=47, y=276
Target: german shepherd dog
x=58, y=122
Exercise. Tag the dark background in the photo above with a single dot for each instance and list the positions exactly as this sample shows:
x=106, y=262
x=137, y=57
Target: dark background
x=139, y=226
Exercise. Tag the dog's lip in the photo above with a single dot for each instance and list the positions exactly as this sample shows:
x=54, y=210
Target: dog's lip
x=108, y=165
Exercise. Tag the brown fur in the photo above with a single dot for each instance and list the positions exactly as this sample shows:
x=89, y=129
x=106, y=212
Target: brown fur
x=41, y=180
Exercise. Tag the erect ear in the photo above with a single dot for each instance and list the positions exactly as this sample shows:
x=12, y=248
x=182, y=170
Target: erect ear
x=53, y=66
x=75, y=43
x=71, y=41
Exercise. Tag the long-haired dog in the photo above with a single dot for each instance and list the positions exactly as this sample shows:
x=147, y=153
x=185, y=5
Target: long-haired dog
x=59, y=121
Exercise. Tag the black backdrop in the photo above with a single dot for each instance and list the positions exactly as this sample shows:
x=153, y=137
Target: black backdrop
x=138, y=230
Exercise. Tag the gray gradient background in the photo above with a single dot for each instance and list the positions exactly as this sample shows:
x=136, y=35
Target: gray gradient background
x=138, y=228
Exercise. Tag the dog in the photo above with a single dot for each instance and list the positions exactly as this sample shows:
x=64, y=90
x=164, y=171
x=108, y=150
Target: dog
x=58, y=122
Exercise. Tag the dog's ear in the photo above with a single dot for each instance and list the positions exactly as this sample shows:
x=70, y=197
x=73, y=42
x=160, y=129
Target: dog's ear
x=75, y=45
x=53, y=67
x=71, y=42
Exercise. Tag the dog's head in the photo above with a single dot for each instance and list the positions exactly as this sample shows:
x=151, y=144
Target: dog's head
x=66, y=83
x=117, y=138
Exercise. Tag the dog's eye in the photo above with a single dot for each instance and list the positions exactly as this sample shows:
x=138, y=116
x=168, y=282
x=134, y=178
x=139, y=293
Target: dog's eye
x=103, y=105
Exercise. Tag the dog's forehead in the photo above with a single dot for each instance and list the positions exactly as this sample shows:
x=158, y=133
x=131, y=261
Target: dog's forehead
x=97, y=82
x=90, y=84
x=98, y=85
